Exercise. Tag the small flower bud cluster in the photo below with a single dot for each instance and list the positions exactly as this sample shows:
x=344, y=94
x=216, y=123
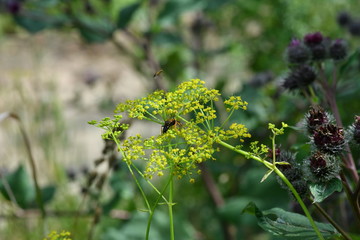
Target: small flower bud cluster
x=328, y=142
x=303, y=54
x=54, y=235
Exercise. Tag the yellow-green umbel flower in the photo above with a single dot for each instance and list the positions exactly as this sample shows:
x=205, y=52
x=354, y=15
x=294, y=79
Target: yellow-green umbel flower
x=54, y=235
x=188, y=131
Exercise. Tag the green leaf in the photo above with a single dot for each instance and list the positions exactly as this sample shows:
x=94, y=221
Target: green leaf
x=267, y=174
x=289, y=225
x=230, y=211
x=350, y=60
x=321, y=191
x=48, y=193
x=174, y=8
x=21, y=187
x=167, y=38
x=36, y=20
x=126, y=14
x=94, y=30
x=174, y=65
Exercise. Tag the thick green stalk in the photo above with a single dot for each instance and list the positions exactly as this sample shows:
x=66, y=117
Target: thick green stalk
x=170, y=205
x=286, y=181
x=154, y=207
x=300, y=201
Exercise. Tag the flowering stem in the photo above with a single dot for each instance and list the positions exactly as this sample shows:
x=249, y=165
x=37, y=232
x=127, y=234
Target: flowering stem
x=331, y=99
x=282, y=176
x=245, y=153
x=140, y=188
x=300, y=201
x=153, y=209
x=170, y=205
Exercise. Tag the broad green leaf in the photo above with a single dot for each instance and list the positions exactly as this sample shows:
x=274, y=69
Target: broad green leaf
x=21, y=186
x=174, y=65
x=48, y=193
x=167, y=38
x=234, y=206
x=94, y=30
x=126, y=14
x=321, y=191
x=289, y=225
x=174, y=8
x=36, y=20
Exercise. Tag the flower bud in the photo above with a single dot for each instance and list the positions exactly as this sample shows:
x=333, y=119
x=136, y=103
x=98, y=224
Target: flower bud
x=338, y=50
x=13, y=6
x=329, y=139
x=297, y=52
x=315, y=118
x=317, y=45
x=355, y=130
x=293, y=172
x=313, y=39
x=354, y=28
x=322, y=167
x=343, y=19
x=300, y=77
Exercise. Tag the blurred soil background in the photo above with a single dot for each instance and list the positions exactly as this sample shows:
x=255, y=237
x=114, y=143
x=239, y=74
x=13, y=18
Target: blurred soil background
x=58, y=83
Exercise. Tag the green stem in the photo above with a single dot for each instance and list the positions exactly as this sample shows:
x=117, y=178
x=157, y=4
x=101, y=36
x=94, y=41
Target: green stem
x=300, y=201
x=153, y=209
x=39, y=198
x=273, y=149
x=322, y=211
x=281, y=175
x=170, y=205
x=139, y=186
x=246, y=154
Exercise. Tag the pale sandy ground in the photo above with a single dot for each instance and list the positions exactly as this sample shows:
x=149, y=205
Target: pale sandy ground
x=48, y=73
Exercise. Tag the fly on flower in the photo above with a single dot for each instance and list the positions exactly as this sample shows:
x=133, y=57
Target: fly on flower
x=168, y=124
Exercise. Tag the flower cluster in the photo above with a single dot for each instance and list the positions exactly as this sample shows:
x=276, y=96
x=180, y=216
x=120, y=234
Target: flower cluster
x=54, y=235
x=235, y=102
x=189, y=132
x=188, y=97
x=350, y=23
x=303, y=55
x=328, y=142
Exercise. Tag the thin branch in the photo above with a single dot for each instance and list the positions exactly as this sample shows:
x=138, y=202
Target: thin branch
x=323, y=212
x=39, y=199
x=216, y=197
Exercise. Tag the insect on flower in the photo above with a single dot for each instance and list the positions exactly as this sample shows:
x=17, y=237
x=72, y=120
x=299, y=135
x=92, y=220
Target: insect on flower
x=168, y=124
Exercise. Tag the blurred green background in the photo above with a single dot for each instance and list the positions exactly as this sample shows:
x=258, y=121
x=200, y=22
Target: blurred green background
x=63, y=63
